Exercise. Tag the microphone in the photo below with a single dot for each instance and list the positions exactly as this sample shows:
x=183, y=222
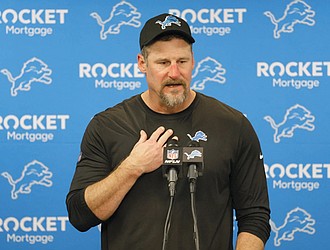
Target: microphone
x=172, y=162
x=193, y=156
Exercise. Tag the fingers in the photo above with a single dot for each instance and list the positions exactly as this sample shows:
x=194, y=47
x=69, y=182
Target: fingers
x=155, y=135
x=160, y=135
x=147, y=154
x=143, y=137
x=163, y=139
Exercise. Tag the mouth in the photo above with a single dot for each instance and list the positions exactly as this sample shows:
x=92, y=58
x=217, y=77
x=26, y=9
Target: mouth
x=174, y=85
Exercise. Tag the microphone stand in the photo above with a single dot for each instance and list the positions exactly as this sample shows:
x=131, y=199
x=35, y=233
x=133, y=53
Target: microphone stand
x=171, y=170
x=192, y=176
x=167, y=223
x=172, y=177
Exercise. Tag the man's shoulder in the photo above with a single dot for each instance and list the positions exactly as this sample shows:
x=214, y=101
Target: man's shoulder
x=215, y=106
x=121, y=107
x=122, y=111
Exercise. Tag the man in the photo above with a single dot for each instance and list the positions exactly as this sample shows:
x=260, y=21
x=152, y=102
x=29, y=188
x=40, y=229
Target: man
x=119, y=181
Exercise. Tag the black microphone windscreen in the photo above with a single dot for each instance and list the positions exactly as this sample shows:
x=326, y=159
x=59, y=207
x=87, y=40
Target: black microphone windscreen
x=173, y=142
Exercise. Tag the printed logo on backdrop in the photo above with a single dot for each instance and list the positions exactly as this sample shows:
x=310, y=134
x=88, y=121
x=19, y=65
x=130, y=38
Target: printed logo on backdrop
x=33, y=71
x=32, y=230
x=118, y=76
x=295, y=176
x=298, y=177
x=296, y=12
x=122, y=14
x=296, y=75
x=32, y=128
x=32, y=22
x=211, y=22
x=34, y=173
x=296, y=117
x=207, y=71
x=297, y=221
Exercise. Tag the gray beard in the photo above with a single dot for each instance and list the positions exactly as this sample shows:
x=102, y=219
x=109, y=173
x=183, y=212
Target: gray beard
x=172, y=100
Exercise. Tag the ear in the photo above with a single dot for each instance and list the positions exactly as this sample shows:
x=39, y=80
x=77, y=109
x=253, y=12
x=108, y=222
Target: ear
x=142, y=64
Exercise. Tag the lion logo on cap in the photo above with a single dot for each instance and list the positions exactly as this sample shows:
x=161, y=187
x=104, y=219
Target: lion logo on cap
x=169, y=20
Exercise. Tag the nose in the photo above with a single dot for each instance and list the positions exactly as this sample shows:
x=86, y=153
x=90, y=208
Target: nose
x=174, y=71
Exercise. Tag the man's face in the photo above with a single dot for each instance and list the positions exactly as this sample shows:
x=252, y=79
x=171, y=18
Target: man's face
x=168, y=70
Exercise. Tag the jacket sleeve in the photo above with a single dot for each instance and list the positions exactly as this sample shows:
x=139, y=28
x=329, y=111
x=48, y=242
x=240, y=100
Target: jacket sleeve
x=249, y=186
x=80, y=216
x=92, y=166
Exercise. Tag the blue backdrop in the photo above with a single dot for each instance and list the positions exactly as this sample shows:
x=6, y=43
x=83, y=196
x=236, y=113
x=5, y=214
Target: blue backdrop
x=63, y=61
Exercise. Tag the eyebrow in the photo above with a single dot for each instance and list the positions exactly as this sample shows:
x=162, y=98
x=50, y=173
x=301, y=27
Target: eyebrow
x=167, y=59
